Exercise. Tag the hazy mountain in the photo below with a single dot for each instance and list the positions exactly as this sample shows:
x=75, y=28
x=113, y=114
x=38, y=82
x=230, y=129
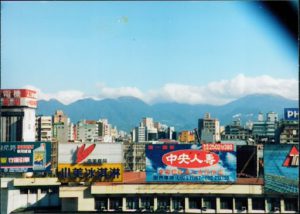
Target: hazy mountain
x=127, y=112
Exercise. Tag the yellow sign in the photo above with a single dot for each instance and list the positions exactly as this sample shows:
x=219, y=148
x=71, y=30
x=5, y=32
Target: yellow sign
x=107, y=172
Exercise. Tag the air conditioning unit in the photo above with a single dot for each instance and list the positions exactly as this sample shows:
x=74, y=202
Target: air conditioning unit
x=244, y=208
x=276, y=209
x=204, y=208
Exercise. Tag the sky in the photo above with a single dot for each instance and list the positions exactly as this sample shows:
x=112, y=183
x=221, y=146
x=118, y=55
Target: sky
x=194, y=52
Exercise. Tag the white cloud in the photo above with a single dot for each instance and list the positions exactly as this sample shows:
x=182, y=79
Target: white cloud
x=216, y=93
x=107, y=92
x=65, y=97
x=224, y=91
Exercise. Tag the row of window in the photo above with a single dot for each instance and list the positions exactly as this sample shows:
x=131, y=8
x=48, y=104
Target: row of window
x=45, y=190
x=178, y=203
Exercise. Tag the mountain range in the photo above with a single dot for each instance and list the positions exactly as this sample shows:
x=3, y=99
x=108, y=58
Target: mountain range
x=127, y=112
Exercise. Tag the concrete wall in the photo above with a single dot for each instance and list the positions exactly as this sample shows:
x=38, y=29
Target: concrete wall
x=177, y=188
x=86, y=201
x=13, y=198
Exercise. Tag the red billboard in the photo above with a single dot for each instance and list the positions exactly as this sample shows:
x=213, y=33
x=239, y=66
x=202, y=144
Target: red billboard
x=18, y=93
x=18, y=97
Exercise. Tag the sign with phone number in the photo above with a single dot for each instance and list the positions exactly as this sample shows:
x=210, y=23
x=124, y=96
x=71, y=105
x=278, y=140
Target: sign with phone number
x=108, y=172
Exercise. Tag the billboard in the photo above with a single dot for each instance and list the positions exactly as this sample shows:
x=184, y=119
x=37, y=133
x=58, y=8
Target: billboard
x=25, y=156
x=281, y=168
x=190, y=163
x=28, y=102
x=291, y=114
x=18, y=97
x=109, y=172
x=247, y=161
x=18, y=93
x=92, y=153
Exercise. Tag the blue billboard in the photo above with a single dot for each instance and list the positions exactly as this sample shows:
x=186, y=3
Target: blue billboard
x=190, y=163
x=281, y=168
x=25, y=156
x=291, y=114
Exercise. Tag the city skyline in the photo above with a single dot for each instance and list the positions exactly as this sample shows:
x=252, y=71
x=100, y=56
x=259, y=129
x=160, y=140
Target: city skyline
x=208, y=53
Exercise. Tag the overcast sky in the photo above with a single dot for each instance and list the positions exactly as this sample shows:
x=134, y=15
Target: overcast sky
x=187, y=52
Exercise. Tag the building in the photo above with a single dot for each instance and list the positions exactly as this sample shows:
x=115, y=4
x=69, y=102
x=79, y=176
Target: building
x=62, y=127
x=139, y=134
x=17, y=193
x=148, y=122
x=236, y=132
x=104, y=128
x=134, y=194
x=288, y=132
x=264, y=130
x=18, y=108
x=209, y=129
x=134, y=156
x=152, y=134
x=87, y=131
x=43, y=125
x=61, y=132
x=187, y=137
x=148, y=130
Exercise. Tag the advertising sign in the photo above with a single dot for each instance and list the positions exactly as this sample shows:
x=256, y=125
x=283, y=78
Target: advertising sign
x=28, y=102
x=25, y=156
x=281, y=168
x=92, y=153
x=291, y=114
x=110, y=172
x=247, y=161
x=190, y=163
x=18, y=93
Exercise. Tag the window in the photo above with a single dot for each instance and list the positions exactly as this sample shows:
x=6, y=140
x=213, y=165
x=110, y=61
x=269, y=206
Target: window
x=163, y=203
x=101, y=204
x=147, y=203
x=32, y=191
x=241, y=203
x=209, y=203
x=290, y=204
x=132, y=203
x=273, y=204
x=54, y=190
x=226, y=203
x=44, y=190
x=258, y=203
x=24, y=191
x=194, y=203
x=178, y=203
x=115, y=203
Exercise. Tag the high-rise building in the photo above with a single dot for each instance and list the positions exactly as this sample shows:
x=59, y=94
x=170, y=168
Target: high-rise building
x=43, y=127
x=148, y=130
x=141, y=134
x=18, y=115
x=152, y=134
x=104, y=128
x=62, y=127
x=60, y=117
x=288, y=131
x=209, y=129
x=236, y=131
x=148, y=122
x=265, y=130
x=87, y=131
